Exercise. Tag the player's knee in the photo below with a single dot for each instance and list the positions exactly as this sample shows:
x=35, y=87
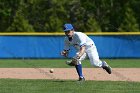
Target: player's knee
x=96, y=63
x=79, y=62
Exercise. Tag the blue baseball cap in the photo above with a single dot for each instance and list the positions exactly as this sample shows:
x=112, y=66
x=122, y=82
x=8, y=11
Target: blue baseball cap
x=68, y=27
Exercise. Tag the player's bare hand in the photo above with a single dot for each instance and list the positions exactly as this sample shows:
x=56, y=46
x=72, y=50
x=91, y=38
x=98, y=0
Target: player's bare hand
x=64, y=53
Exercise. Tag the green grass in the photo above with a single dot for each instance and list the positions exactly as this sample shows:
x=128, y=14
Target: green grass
x=66, y=86
x=60, y=63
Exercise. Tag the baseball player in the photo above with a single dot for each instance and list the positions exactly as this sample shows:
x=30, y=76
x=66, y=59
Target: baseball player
x=85, y=47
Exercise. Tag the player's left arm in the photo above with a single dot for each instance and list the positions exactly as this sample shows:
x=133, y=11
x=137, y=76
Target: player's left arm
x=82, y=44
x=75, y=60
x=81, y=51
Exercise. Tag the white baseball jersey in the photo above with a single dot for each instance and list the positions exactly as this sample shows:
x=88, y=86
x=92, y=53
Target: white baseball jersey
x=79, y=39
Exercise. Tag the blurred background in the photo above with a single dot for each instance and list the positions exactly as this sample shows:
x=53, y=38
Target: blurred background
x=85, y=15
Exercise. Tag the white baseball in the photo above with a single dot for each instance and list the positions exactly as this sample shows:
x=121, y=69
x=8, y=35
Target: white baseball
x=51, y=70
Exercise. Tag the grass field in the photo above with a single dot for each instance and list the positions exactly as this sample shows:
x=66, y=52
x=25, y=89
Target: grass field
x=66, y=86
x=60, y=63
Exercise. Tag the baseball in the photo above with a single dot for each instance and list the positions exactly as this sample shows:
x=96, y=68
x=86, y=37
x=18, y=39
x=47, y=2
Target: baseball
x=51, y=70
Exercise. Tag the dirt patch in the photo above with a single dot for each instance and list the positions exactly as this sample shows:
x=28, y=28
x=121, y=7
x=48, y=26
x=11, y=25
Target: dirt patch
x=118, y=74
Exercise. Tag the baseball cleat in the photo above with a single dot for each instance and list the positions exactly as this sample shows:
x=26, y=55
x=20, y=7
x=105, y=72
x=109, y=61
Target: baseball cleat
x=106, y=67
x=81, y=79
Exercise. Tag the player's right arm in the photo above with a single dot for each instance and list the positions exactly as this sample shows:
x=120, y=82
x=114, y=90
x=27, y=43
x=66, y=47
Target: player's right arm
x=65, y=52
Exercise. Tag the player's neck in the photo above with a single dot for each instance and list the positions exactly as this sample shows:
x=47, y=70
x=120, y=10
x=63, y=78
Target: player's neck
x=70, y=38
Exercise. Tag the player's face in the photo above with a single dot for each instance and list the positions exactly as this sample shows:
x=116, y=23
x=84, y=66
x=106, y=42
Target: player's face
x=69, y=33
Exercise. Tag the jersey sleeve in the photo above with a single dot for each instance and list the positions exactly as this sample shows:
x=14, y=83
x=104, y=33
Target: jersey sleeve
x=82, y=40
x=66, y=45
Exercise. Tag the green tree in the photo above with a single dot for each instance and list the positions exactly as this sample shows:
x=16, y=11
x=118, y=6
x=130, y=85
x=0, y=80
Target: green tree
x=85, y=15
x=55, y=16
x=54, y=24
x=108, y=13
x=99, y=10
x=7, y=13
x=129, y=23
x=46, y=15
x=20, y=23
x=92, y=25
x=134, y=4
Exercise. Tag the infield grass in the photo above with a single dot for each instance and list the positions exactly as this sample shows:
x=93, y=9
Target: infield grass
x=66, y=86
x=60, y=63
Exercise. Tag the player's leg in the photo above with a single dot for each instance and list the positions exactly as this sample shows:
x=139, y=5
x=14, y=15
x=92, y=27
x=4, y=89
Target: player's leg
x=79, y=71
x=94, y=57
x=95, y=61
x=79, y=67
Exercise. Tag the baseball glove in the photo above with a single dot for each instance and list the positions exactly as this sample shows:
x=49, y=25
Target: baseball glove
x=72, y=62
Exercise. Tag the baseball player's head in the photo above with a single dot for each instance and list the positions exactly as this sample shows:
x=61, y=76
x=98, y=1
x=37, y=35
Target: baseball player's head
x=69, y=30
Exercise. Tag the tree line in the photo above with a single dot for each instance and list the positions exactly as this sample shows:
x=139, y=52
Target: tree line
x=85, y=15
